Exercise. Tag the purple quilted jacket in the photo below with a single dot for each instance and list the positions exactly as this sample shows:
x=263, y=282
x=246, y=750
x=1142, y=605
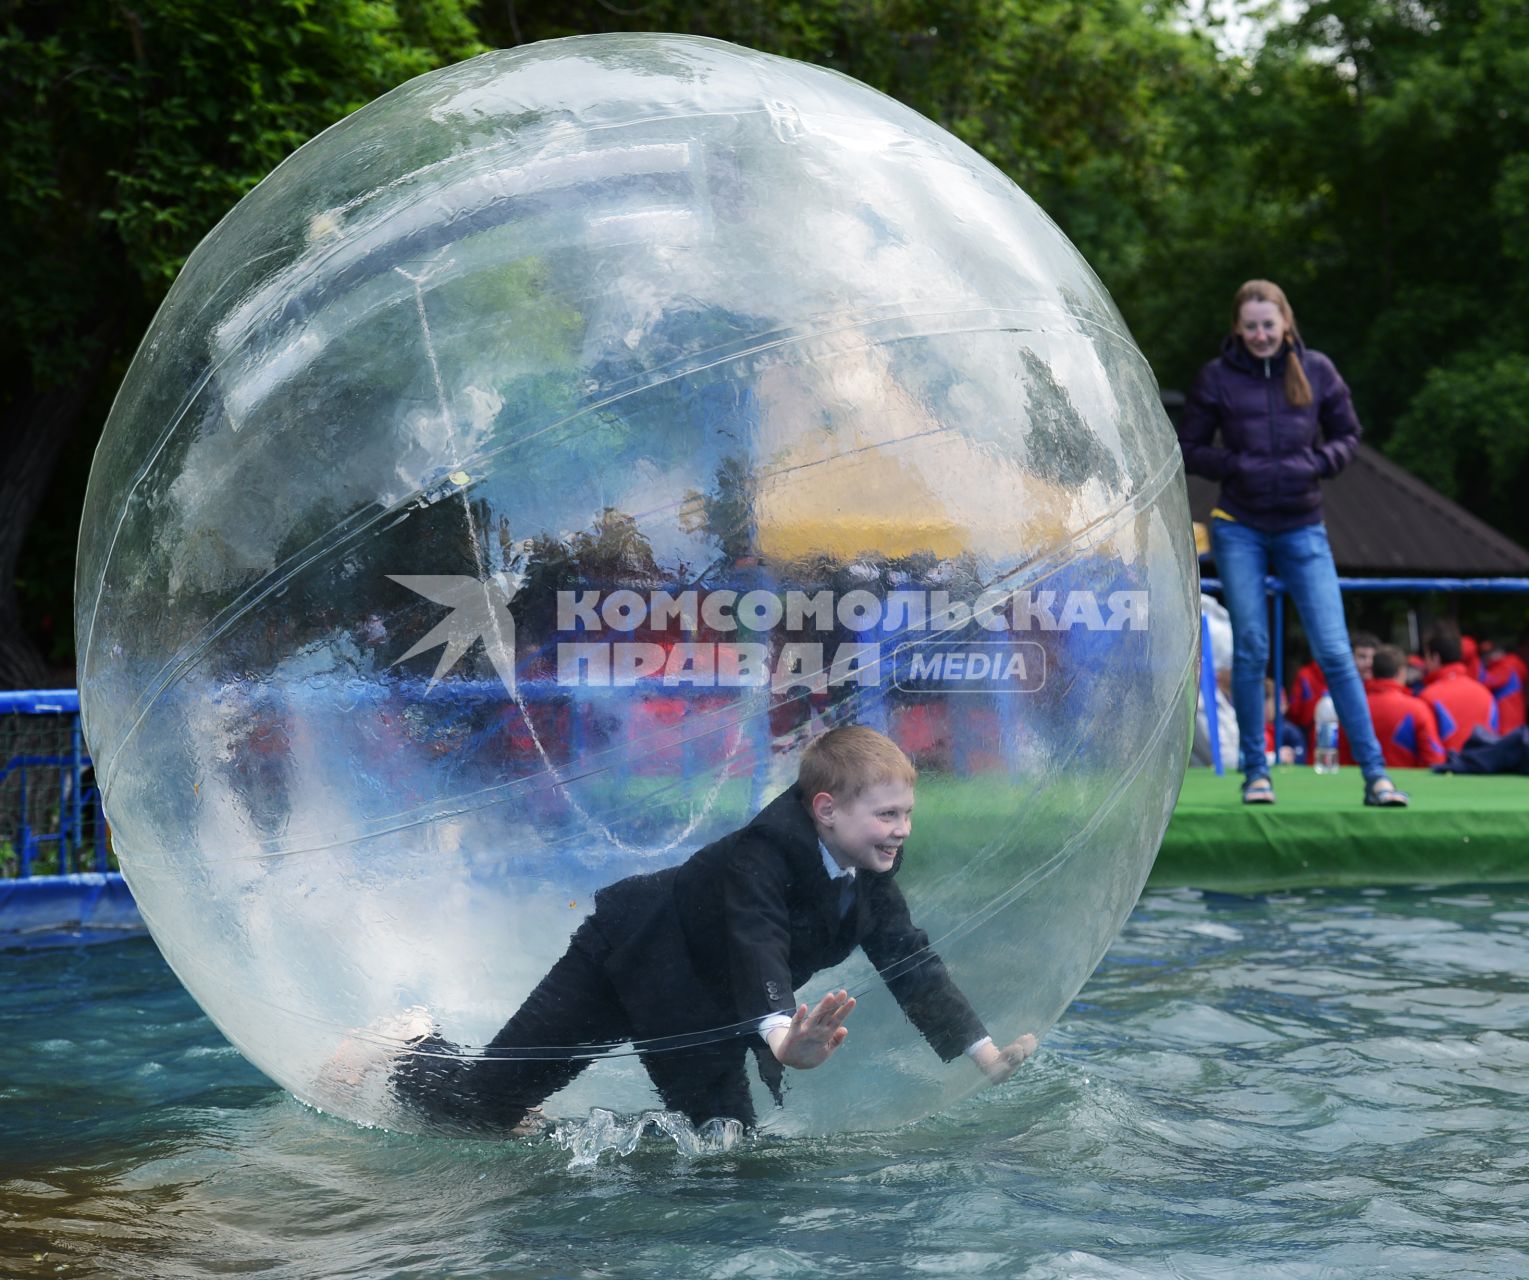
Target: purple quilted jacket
x=1272, y=456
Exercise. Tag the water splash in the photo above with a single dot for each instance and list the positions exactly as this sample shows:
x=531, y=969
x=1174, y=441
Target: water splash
x=603, y=1131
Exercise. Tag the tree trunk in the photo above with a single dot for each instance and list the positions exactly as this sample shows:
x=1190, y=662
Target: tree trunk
x=34, y=429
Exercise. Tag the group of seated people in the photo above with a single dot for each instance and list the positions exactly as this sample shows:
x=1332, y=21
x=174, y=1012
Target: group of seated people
x=1422, y=706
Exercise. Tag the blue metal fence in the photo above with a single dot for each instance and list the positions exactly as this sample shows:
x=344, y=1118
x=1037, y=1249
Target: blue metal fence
x=1276, y=590
x=50, y=809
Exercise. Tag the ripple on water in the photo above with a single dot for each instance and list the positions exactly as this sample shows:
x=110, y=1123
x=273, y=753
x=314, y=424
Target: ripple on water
x=1303, y=1085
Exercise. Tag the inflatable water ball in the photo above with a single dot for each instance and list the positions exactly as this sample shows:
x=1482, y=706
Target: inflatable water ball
x=520, y=477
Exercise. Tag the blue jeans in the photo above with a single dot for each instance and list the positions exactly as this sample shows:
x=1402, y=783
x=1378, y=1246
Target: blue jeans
x=1303, y=559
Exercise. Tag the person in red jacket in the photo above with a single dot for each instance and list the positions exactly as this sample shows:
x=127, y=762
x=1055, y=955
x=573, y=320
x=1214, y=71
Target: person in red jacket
x=1364, y=645
x=1409, y=737
x=1506, y=676
x=1470, y=656
x=1310, y=684
x=1292, y=742
x=1459, y=703
x=1306, y=691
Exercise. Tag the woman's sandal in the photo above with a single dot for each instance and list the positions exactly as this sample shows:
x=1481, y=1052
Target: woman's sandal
x=1258, y=791
x=1383, y=794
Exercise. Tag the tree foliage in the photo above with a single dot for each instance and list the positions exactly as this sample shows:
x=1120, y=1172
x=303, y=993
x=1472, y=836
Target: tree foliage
x=1372, y=156
x=128, y=131
x=1374, y=159
x=1048, y=90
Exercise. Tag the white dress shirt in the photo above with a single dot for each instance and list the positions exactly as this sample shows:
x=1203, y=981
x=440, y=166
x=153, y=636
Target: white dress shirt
x=770, y=1021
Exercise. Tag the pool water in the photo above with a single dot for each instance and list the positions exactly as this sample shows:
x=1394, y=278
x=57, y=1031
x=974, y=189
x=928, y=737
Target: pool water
x=1328, y=1084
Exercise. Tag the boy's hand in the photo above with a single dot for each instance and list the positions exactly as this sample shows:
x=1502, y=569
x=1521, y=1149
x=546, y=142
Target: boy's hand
x=812, y=1037
x=999, y=1064
x=366, y=1050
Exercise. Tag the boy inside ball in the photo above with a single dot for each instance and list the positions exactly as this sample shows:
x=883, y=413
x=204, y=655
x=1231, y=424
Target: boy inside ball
x=698, y=964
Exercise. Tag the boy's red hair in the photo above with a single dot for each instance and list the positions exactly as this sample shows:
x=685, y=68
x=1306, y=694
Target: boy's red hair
x=847, y=760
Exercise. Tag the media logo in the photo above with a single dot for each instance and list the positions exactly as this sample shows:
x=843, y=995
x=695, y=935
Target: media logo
x=977, y=666
x=783, y=640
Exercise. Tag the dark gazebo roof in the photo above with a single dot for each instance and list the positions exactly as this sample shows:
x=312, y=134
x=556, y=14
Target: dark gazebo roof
x=1383, y=520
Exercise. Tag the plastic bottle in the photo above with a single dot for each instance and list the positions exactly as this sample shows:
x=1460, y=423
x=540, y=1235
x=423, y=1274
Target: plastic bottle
x=1326, y=759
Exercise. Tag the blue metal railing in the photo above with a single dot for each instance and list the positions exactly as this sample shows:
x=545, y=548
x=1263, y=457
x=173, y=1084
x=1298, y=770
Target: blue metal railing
x=53, y=765
x=1275, y=588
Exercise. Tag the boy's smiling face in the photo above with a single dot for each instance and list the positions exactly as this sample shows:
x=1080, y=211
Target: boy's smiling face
x=867, y=832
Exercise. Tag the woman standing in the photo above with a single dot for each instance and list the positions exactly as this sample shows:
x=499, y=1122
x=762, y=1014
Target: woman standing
x=1286, y=423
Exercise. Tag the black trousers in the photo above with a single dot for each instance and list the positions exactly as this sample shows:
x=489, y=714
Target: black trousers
x=572, y=1017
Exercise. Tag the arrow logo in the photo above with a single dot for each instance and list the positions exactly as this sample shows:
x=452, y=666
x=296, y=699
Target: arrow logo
x=479, y=611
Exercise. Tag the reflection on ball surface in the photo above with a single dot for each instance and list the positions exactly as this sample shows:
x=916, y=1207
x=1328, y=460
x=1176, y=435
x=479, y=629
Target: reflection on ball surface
x=519, y=477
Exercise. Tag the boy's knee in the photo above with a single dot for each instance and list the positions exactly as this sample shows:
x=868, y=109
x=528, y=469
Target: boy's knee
x=705, y=1085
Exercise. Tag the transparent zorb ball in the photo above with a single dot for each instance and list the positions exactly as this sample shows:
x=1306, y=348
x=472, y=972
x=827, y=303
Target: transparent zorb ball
x=520, y=476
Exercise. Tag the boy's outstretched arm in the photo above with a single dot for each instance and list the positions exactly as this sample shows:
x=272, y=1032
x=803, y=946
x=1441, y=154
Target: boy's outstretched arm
x=812, y=1036
x=365, y=1050
x=999, y=1064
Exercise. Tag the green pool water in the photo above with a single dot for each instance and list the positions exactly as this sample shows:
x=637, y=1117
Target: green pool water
x=1317, y=1084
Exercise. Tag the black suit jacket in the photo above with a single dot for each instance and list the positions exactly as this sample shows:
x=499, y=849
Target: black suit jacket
x=727, y=937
